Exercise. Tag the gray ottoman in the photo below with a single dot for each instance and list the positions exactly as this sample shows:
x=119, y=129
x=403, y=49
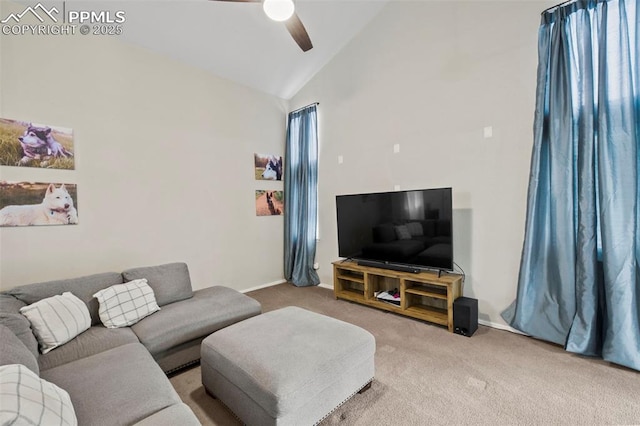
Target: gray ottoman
x=287, y=367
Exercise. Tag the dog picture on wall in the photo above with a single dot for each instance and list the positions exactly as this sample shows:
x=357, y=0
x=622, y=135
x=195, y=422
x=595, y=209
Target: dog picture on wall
x=268, y=167
x=36, y=203
x=269, y=203
x=27, y=144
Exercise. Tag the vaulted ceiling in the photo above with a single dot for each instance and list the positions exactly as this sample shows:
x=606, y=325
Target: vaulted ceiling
x=237, y=41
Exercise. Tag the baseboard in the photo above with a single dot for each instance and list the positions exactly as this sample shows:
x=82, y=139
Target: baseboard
x=327, y=286
x=272, y=283
x=500, y=327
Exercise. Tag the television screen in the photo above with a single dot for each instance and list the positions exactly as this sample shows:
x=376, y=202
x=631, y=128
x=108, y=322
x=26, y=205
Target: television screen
x=404, y=228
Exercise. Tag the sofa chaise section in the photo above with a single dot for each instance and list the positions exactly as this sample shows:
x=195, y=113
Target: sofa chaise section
x=173, y=334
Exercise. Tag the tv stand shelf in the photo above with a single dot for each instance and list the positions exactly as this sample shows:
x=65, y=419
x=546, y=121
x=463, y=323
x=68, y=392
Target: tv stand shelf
x=424, y=295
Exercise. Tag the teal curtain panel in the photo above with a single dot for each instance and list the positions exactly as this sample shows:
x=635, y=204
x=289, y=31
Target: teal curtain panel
x=579, y=281
x=301, y=197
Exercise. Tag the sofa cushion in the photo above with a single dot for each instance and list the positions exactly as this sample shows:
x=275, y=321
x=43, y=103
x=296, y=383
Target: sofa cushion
x=29, y=400
x=384, y=233
x=95, y=340
x=122, y=305
x=11, y=317
x=57, y=319
x=10, y=304
x=209, y=309
x=15, y=352
x=83, y=287
x=120, y=386
x=169, y=282
x=21, y=327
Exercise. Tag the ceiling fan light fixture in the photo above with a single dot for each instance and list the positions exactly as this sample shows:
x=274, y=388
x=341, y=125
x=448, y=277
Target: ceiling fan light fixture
x=278, y=10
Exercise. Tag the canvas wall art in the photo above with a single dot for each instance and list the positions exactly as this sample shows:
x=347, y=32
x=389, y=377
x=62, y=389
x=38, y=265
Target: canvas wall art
x=37, y=203
x=269, y=203
x=268, y=167
x=26, y=144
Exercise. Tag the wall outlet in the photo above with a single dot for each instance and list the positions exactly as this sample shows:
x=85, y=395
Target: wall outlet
x=396, y=148
x=488, y=132
x=396, y=187
x=340, y=159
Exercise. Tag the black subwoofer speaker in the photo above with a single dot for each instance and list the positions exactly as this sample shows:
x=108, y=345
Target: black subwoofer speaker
x=465, y=316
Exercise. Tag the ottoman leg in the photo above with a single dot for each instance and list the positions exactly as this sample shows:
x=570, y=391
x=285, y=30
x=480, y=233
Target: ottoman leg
x=365, y=388
x=214, y=397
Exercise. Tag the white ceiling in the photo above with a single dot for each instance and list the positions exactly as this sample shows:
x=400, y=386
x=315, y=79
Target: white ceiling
x=238, y=42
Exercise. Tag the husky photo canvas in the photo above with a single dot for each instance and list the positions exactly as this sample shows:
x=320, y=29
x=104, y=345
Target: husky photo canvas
x=267, y=166
x=27, y=144
x=37, y=203
x=269, y=203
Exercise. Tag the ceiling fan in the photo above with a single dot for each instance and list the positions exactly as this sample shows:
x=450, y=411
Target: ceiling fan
x=284, y=11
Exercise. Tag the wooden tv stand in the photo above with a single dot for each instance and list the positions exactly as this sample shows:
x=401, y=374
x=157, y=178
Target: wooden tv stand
x=423, y=295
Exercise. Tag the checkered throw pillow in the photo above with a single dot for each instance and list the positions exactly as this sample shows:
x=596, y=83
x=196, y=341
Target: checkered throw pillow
x=402, y=232
x=122, y=305
x=29, y=400
x=56, y=320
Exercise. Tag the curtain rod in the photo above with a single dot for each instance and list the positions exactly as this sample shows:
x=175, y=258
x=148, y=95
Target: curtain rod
x=558, y=5
x=300, y=109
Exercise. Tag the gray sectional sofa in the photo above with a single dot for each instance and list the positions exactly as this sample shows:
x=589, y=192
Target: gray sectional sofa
x=117, y=376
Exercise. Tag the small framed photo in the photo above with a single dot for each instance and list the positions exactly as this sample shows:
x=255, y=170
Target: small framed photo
x=269, y=203
x=268, y=166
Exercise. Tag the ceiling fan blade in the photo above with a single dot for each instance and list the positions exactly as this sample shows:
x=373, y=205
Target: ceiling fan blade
x=298, y=32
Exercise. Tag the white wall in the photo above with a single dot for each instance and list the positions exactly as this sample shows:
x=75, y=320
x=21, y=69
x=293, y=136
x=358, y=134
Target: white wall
x=164, y=163
x=430, y=76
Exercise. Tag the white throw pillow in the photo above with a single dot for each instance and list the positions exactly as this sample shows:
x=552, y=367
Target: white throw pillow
x=122, y=305
x=29, y=400
x=56, y=320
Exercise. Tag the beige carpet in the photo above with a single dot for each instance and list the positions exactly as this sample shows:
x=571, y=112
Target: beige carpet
x=425, y=375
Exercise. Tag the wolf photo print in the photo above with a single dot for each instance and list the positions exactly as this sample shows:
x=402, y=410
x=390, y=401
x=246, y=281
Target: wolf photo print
x=36, y=203
x=27, y=144
x=268, y=167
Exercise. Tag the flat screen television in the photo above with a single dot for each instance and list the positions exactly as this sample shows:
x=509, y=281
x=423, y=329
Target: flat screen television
x=406, y=230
